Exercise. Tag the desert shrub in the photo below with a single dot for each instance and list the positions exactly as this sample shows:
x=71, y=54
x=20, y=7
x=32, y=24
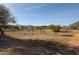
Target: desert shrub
x=55, y=28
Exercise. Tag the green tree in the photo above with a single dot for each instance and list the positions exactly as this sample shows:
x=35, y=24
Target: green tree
x=74, y=25
x=58, y=26
x=51, y=26
x=55, y=28
x=5, y=17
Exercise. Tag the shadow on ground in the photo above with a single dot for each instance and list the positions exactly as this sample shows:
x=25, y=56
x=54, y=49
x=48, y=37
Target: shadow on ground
x=12, y=46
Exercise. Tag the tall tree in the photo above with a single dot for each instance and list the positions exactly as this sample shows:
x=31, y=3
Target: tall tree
x=5, y=17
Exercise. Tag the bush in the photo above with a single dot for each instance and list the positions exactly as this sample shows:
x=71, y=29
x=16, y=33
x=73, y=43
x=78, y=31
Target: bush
x=55, y=28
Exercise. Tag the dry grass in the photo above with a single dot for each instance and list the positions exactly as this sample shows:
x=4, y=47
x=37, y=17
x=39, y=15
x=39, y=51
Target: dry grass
x=40, y=43
x=45, y=42
x=35, y=47
x=68, y=38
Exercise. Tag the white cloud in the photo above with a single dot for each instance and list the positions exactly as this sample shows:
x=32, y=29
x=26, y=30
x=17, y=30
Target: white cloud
x=34, y=7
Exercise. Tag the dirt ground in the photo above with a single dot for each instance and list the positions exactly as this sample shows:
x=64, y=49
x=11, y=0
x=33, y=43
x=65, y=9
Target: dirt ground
x=69, y=38
x=44, y=42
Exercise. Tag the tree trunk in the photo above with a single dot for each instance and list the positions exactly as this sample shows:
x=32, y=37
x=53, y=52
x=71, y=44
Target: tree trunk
x=1, y=33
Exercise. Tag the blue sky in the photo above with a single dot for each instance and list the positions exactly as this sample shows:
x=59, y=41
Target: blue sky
x=44, y=13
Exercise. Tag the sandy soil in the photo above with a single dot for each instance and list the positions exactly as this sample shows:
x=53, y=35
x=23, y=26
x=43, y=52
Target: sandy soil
x=68, y=38
x=21, y=45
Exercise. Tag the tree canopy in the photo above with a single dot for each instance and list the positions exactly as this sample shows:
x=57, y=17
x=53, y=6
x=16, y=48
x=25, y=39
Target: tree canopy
x=55, y=28
x=5, y=16
x=75, y=25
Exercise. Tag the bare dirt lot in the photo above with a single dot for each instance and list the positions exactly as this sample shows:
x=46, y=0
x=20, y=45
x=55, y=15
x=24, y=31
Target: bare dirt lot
x=70, y=38
x=36, y=42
